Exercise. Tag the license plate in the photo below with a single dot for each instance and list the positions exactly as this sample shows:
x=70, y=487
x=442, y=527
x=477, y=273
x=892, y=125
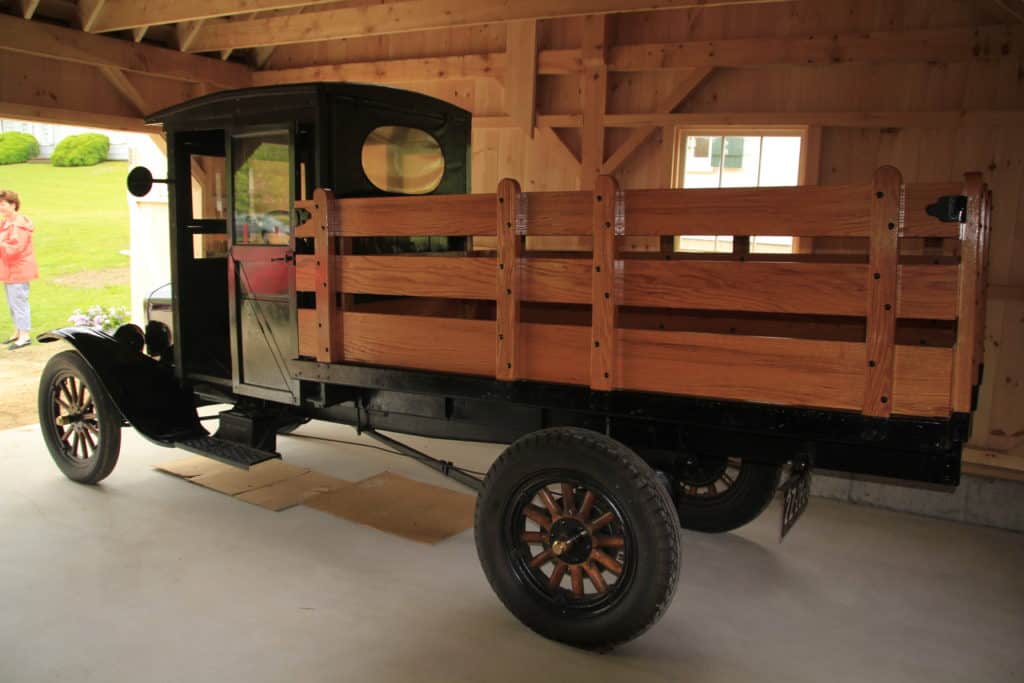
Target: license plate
x=795, y=494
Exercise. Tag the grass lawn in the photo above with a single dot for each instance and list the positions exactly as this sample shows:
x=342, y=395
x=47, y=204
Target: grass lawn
x=81, y=220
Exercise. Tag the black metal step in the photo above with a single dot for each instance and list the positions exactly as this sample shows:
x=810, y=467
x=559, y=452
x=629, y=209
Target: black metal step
x=227, y=452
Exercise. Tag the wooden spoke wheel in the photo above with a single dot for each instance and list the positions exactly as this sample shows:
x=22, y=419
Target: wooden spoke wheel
x=578, y=537
x=80, y=423
x=716, y=494
x=569, y=542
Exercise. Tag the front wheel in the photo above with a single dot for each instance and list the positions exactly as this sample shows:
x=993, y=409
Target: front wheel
x=578, y=537
x=80, y=423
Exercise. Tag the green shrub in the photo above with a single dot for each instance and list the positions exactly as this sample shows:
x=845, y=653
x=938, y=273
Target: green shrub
x=16, y=148
x=87, y=149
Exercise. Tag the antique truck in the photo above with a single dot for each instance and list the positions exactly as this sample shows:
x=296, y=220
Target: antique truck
x=329, y=263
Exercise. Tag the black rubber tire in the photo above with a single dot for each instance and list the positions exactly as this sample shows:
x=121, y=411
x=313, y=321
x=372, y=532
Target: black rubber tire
x=101, y=462
x=748, y=496
x=631, y=485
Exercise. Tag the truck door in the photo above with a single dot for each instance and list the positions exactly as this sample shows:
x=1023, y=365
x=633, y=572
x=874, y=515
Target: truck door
x=261, y=263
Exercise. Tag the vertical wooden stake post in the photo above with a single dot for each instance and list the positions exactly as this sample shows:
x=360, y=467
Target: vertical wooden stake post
x=883, y=265
x=964, y=359
x=330, y=340
x=604, y=311
x=511, y=228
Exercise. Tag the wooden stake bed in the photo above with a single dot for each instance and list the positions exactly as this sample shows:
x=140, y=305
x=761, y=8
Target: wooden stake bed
x=611, y=319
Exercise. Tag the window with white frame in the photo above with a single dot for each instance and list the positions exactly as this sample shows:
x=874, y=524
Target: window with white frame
x=717, y=158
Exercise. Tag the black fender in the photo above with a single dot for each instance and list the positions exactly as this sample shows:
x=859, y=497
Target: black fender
x=147, y=393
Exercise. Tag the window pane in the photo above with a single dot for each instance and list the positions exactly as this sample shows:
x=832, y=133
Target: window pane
x=698, y=168
x=741, y=161
x=262, y=198
x=780, y=161
x=405, y=160
x=208, y=186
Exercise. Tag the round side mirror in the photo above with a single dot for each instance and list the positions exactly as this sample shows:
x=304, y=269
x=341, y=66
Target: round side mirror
x=140, y=181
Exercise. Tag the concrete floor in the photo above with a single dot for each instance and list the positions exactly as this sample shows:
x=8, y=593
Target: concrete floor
x=150, y=578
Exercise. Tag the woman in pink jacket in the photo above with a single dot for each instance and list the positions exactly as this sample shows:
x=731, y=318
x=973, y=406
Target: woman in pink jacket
x=17, y=266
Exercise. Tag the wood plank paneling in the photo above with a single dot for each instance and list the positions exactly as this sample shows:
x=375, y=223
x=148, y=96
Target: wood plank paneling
x=760, y=369
x=418, y=216
x=555, y=353
x=425, y=343
x=921, y=381
x=416, y=275
x=797, y=211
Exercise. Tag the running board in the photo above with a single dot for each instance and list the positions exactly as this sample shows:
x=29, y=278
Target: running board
x=227, y=452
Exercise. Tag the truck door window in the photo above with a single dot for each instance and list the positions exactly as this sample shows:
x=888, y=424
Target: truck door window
x=209, y=189
x=403, y=160
x=260, y=172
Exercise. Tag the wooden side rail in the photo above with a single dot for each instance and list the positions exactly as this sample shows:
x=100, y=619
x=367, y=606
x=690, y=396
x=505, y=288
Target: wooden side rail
x=925, y=291
x=874, y=376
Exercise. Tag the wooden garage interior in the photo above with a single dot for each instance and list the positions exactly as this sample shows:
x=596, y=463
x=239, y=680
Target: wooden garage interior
x=563, y=92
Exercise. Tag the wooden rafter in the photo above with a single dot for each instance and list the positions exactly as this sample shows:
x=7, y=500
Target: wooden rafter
x=89, y=12
x=139, y=33
x=123, y=85
x=55, y=42
x=187, y=32
x=127, y=14
x=28, y=7
x=416, y=15
x=668, y=103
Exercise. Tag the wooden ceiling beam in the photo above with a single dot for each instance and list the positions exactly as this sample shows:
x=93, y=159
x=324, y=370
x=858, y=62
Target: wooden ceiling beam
x=72, y=117
x=416, y=15
x=1012, y=118
x=931, y=45
x=65, y=44
x=391, y=71
x=127, y=14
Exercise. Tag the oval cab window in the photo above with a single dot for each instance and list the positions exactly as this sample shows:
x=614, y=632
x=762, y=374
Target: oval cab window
x=404, y=160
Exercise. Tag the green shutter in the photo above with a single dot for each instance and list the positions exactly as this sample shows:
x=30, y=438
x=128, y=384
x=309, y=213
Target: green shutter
x=734, y=152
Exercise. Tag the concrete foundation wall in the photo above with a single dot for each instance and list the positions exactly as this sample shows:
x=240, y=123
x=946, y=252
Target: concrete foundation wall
x=978, y=500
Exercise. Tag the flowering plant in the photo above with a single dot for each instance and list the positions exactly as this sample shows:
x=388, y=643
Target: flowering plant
x=100, y=318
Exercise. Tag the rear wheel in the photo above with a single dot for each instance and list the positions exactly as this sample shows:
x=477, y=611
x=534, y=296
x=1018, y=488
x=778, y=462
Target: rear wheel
x=578, y=538
x=715, y=494
x=80, y=423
